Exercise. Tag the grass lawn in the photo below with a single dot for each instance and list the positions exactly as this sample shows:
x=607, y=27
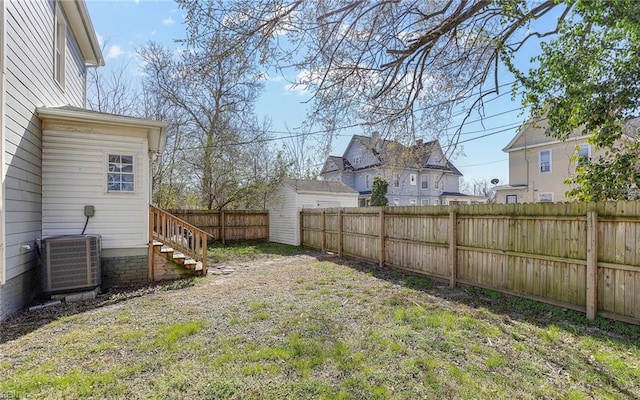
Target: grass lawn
x=304, y=326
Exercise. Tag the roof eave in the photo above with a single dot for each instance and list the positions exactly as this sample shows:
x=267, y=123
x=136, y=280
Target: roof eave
x=157, y=130
x=82, y=28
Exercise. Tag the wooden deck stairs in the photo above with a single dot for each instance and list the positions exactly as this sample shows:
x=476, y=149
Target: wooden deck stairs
x=176, y=248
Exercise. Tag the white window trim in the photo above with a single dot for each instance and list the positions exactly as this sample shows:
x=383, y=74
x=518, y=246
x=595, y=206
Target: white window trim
x=413, y=179
x=59, y=47
x=136, y=173
x=544, y=194
x=511, y=196
x=540, y=161
x=588, y=146
x=396, y=180
x=396, y=202
x=424, y=202
x=424, y=179
x=367, y=181
x=413, y=202
x=436, y=182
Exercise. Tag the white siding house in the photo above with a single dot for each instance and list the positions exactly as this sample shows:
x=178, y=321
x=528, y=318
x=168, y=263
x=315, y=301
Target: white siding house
x=78, y=149
x=45, y=49
x=56, y=155
x=292, y=195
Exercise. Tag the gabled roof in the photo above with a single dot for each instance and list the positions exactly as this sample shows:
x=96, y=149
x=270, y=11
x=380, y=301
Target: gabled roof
x=392, y=153
x=306, y=186
x=340, y=163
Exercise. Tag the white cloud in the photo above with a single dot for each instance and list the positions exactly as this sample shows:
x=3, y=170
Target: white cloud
x=168, y=21
x=136, y=1
x=114, y=51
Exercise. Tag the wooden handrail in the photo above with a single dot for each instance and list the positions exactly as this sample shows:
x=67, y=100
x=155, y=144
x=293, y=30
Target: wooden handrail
x=179, y=234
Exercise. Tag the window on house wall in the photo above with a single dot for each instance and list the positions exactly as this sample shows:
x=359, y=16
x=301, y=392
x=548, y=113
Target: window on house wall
x=436, y=202
x=436, y=182
x=546, y=197
x=412, y=202
x=424, y=182
x=584, y=154
x=60, y=36
x=356, y=160
x=396, y=180
x=367, y=181
x=512, y=198
x=413, y=179
x=545, y=161
x=120, y=175
x=396, y=202
x=424, y=202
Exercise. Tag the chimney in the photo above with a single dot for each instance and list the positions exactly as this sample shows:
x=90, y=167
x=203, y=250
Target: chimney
x=375, y=141
x=419, y=142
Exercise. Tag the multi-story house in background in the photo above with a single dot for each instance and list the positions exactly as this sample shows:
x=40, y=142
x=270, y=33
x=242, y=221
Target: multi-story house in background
x=419, y=174
x=540, y=164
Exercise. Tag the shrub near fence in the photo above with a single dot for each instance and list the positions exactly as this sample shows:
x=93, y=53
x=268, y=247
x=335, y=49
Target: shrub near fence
x=583, y=256
x=229, y=226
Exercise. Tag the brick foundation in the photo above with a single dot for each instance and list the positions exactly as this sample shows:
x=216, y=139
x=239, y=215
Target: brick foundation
x=124, y=271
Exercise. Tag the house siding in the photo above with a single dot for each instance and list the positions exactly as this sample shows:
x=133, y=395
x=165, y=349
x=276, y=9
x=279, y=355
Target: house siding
x=28, y=67
x=75, y=170
x=285, y=205
x=524, y=164
x=283, y=217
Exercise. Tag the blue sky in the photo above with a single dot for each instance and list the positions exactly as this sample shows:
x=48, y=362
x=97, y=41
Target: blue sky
x=124, y=25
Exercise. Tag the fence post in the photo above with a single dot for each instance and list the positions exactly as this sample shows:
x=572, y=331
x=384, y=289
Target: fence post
x=453, y=250
x=382, y=239
x=592, y=264
x=150, y=252
x=324, y=235
x=222, y=228
x=340, y=233
x=301, y=228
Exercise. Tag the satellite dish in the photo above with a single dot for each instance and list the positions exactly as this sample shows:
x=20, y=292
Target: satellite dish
x=495, y=181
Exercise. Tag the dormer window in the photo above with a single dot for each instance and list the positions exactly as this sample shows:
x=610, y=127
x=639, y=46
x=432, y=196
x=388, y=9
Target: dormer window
x=356, y=160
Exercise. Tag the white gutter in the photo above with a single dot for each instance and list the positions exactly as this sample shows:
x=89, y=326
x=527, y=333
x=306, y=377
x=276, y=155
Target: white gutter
x=82, y=27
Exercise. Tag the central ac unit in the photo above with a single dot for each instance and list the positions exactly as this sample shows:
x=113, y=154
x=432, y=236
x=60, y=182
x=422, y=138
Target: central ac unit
x=70, y=262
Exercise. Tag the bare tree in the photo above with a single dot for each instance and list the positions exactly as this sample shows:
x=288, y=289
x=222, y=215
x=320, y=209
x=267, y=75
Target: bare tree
x=396, y=67
x=112, y=90
x=213, y=91
x=304, y=154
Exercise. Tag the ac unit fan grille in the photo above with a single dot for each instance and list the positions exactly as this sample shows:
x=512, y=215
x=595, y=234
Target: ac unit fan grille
x=71, y=262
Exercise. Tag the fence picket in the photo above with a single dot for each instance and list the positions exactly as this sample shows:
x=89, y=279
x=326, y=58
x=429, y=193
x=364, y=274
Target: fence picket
x=579, y=255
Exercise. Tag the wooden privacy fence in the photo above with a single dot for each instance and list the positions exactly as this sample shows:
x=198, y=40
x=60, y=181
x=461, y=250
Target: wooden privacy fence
x=582, y=256
x=228, y=226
